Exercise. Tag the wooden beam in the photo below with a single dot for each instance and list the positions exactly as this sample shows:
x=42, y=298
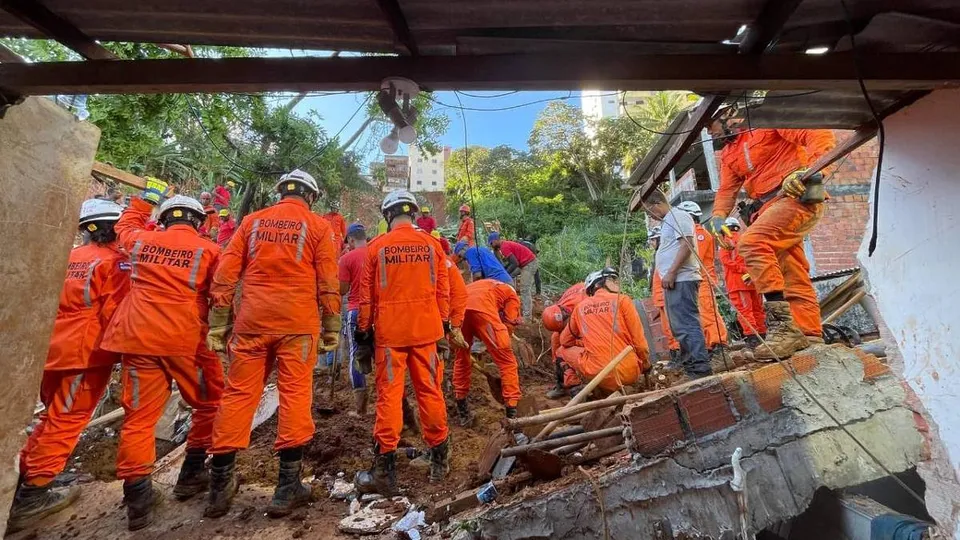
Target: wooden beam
x=398, y=23
x=710, y=73
x=9, y=57
x=56, y=27
x=117, y=175
x=763, y=32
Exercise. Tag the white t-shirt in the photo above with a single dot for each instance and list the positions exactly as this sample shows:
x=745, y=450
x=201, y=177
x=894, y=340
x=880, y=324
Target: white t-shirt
x=676, y=225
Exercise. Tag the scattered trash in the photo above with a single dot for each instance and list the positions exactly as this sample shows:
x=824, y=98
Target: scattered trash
x=410, y=524
x=375, y=517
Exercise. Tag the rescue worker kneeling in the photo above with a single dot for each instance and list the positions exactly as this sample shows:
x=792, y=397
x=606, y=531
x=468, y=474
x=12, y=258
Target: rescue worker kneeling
x=77, y=371
x=555, y=319
x=286, y=257
x=159, y=329
x=493, y=310
x=606, y=323
x=404, y=306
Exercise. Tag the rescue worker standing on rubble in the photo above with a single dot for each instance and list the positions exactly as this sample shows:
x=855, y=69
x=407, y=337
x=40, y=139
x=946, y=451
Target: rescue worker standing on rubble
x=743, y=295
x=518, y=256
x=658, y=297
x=493, y=311
x=404, y=309
x=714, y=327
x=555, y=319
x=605, y=323
x=350, y=273
x=467, y=228
x=769, y=164
x=77, y=371
x=159, y=328
x=285, y=255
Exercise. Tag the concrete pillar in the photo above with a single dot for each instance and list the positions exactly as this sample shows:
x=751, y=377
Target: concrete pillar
x=45, y=160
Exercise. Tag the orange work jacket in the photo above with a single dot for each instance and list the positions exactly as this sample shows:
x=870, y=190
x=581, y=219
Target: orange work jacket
x=165, y=312
x=758, y=160
x=571, y=297
x=496, y=299
x=339, y=227
x=466, y=231
x=458, y=294
x=734, y=267
x=405, y=291
x=98, y=277
x=604, y=324
x=286, y=257
x=707, y=251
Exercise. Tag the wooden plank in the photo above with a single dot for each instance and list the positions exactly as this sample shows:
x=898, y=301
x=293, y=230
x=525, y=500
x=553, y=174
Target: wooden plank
x=116, y=174
x=398, y=23
x=56, y=27
x=709, y=73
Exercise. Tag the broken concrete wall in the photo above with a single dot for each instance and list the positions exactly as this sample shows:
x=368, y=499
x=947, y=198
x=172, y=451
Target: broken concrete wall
x=912, y=276
x=682, y=439
x=45, y=161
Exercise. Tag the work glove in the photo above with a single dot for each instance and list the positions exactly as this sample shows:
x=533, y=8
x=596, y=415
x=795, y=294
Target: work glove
x=793, y=185
x=455, y=337
x=363, y=354
x=330, y=338
x=155, y=191
x=715, y=226
x=220, y=320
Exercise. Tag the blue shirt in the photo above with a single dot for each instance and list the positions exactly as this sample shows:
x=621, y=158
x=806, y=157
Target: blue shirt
x=483, y=261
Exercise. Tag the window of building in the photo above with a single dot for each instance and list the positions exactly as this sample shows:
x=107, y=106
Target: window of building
x=434, y=171
x=419, y=182
x=433, y=183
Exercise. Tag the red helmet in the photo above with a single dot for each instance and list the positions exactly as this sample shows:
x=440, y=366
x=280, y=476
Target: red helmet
x=554, y=318
x=465, y=208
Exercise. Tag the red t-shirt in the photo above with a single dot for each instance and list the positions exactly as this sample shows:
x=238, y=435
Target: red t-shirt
x=351, y=271
x=521, y=252
x=427, y=223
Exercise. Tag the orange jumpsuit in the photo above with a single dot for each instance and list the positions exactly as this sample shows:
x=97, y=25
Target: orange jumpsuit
x=493, y=309
x=466, y=231
x=743, y=295
x=772, y=245
x=339, y=227
x=567, y=302
x=714, y=327
x=77, y=371
x=458, y=295
x=211, y=224
x=656, y=291
x=405, y=297
x=160, y=328
x=606, y=323
x=286, y=257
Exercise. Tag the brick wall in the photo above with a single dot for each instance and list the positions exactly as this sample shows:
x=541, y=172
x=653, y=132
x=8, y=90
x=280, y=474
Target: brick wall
x=837, y=237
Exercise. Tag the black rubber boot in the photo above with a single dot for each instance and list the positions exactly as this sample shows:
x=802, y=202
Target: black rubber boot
x=510, y=412
x=464, y=415
x=194, y=478
x=440, y=461
x=382, y=477
x=33, y=503
x=558, y=390
x=223, y=485
x=140, y=498
x=290, y=493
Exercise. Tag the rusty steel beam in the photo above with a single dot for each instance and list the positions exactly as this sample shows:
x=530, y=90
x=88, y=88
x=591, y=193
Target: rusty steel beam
x=398, y=23
x=56, y=27
x=711, y=73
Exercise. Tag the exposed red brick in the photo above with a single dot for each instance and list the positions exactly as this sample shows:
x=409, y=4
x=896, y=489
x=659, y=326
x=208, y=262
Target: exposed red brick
x=872, y=366
x=768, y=386
x=655, y=425
x=731, y=383
x=706, y=410
x=803, y=363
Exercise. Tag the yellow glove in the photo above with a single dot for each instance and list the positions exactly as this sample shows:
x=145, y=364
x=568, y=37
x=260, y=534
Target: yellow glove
x=220, y=321
x=455, y=336
x=745, y=278
x=156, y=190
x=330, y=337
x=793, y=185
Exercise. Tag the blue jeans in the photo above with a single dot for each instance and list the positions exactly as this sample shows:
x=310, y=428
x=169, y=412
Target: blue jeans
x=684, y=314
x=357, y=379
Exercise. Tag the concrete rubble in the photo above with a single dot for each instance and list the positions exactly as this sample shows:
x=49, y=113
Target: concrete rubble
x=682, y=438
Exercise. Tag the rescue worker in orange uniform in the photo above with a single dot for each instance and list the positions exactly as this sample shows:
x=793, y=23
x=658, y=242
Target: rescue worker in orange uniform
x=159, y=328
x=467, y=228
x=212, y=224
x=714, y=327
x=768, y=165
x=555, y=319
x=337, y=224
x=404, y=311
x=77, y=371
x=493, y=311
x=743, y=295
x=286, y=257
x=659, y=301
x=606, y=322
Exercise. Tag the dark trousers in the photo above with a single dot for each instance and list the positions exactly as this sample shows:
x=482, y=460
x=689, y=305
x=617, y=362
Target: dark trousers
x=684, y=317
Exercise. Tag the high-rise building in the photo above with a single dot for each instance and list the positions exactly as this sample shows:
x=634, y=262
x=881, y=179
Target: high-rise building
x=427, y=170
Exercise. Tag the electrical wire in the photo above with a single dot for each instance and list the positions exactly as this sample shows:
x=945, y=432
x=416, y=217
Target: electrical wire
x=881, y=134
x=478, y=96
x=473, y=203
x=497, y=109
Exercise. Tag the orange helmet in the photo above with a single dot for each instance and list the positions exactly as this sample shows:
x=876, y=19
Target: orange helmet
x=465, y=208
x=554, y=318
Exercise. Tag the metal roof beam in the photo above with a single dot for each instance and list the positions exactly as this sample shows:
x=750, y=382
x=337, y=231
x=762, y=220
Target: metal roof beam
x=709, y=73
x=398, y=23
x=56, y=27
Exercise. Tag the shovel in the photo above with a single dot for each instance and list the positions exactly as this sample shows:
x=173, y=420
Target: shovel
x=493, y=380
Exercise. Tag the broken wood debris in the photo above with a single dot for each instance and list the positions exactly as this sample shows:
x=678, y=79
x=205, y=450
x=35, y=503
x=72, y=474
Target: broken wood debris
x=561, y=441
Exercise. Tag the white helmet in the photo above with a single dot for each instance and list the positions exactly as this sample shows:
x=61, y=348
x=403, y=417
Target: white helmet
x=732, y=222
x=594, y=279
x=654, y=232
x=400, y=197
x=181, y=202
x=299, y=177
x=99, y=210
x=691, y=208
